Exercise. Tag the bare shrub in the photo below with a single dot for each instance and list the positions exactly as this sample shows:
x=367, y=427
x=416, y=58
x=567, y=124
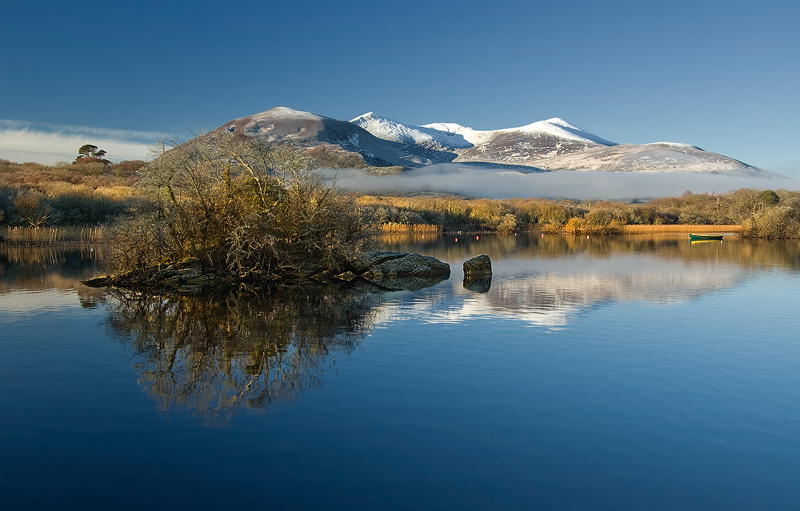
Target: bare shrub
x=240, y=206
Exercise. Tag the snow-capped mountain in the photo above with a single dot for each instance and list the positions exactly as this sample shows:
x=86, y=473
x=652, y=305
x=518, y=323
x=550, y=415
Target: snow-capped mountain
x=555, y=127
x=655, y=157
x=333, y=137
x=431, y=136
x=553, y=144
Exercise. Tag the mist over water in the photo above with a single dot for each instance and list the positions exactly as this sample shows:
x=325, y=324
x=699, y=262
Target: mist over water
x=494, y=183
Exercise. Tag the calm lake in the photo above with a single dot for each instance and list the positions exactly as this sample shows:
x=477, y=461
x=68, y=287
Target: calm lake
x=589, y=373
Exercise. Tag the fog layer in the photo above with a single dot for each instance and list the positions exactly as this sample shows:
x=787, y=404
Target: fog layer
x=505, y=184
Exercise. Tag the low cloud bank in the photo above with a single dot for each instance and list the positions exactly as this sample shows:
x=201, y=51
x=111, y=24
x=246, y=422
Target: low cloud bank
x=48, y=144
x=504, y=184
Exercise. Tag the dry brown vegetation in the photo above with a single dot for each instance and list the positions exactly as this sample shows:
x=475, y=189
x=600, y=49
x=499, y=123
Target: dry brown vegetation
x=756, y=213
x=91, y=193
x=79, y=194
x=238, y=207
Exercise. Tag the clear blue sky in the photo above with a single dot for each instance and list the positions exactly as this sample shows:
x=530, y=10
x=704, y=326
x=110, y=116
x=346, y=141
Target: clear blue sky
x=723, y=75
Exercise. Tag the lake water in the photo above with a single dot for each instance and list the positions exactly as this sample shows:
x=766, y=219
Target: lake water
x=589, y=373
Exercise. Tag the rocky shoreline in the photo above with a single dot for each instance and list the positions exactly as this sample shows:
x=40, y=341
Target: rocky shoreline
x=384, y=270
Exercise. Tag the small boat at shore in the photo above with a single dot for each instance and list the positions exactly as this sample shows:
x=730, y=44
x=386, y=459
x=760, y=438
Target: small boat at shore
x=705, y=237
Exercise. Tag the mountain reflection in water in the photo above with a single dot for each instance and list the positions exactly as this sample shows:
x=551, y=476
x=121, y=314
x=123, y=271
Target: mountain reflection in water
x=546, y=281
x=216, y=354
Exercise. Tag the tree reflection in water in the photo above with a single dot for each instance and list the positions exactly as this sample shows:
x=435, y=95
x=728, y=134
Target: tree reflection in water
x=213, y=355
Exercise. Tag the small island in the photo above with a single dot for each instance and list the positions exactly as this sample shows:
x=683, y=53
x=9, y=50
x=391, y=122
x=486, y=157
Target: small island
x=227, y=210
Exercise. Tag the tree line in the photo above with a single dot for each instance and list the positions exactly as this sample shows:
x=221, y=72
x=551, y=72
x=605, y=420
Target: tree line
x=762, y=213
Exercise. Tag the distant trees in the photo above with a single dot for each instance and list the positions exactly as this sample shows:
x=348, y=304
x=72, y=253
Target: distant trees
x=89, y=153
x=763, y=213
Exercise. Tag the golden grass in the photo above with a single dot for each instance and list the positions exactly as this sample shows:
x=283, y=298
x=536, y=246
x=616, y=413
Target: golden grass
x=667, y=228
x=35, y=234
x=91, y=234
x=53, y=234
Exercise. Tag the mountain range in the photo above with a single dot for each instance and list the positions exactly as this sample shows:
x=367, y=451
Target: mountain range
x=387, y=146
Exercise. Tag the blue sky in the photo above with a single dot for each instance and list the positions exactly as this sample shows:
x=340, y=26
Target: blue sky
x=721, y=75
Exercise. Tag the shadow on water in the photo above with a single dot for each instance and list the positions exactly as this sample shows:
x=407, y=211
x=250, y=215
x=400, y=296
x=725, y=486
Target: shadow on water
x=214, y=355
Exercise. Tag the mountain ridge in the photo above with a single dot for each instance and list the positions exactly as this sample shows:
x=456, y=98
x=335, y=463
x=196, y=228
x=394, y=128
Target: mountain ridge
x=548, y=145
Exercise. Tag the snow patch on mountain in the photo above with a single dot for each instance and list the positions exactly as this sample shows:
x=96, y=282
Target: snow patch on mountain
x=674, y=144
x=562, y=129
x=554, y=127
x=651, y=158
x=283, y=113
x=394, y=131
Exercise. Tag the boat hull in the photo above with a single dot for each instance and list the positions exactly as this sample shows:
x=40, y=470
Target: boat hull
x=697, y=237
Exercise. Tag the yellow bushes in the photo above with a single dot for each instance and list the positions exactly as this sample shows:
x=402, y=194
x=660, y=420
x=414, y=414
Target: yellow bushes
x=773, y=223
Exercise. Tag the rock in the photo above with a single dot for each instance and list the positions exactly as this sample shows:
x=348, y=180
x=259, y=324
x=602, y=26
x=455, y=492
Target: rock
x=393, y=265
x=189, y=264
x=365, y=262
x=384, y=270
x=167, y=272
x=478, y=265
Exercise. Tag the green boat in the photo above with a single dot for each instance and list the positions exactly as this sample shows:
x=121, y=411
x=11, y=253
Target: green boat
x=697, y=237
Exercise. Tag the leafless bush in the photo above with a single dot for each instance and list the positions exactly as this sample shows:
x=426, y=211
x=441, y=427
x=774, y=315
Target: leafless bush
x=240, y=206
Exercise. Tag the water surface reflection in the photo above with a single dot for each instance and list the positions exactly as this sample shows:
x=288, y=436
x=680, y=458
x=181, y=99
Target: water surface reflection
x=547, y=280
x=216, y=354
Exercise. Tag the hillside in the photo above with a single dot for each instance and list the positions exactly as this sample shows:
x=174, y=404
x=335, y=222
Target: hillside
x=371, y=140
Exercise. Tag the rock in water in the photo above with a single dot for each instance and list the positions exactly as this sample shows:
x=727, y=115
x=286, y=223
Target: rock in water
x=478, y=265
x=393, y=265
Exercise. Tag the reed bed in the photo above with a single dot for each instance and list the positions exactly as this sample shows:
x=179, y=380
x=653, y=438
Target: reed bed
x=92, y=234
x=35, y=234
x=679, y=228
x=53, y=234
